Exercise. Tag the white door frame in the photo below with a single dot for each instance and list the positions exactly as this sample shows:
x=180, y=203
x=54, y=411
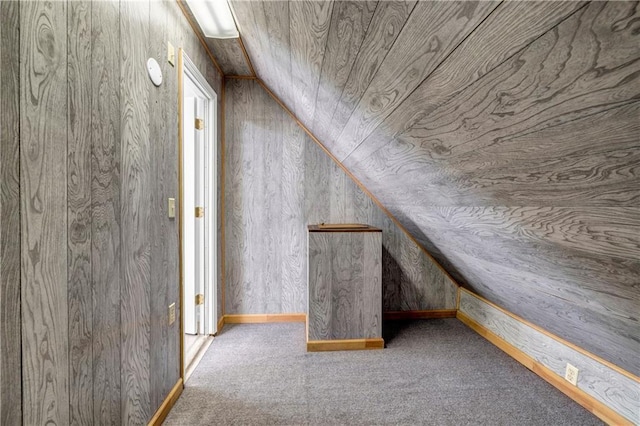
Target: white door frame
x=187, y=69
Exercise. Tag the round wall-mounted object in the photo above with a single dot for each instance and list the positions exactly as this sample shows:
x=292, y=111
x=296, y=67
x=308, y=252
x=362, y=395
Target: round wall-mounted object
x=155, y=73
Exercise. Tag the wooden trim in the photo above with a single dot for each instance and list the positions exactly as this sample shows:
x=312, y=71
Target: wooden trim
x=223, y=170
x=180, y=211
x=591, y=404
x=220, y=324
x=344, y=345
x=556, y=338
x=356, y=181
x=411, y=315
x=198, y=34
x=167, y=404
x=263, y=318
x=241, y=77
x=246, y=56
x=347, y=227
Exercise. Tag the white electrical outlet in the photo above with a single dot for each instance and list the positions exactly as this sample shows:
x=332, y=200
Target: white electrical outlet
x=171, y=208
x=571, y=375
x=172, y=313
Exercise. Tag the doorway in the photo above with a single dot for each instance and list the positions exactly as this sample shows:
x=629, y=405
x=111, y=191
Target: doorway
x=198, y=143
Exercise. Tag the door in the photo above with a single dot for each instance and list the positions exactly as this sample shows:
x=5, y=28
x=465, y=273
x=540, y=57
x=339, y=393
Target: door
x=198, y=207
x=194, y=140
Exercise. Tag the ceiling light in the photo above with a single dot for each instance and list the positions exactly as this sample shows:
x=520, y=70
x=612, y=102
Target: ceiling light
x=214, y=17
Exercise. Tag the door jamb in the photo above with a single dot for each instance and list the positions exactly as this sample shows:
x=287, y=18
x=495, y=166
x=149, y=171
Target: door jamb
x=187, y=67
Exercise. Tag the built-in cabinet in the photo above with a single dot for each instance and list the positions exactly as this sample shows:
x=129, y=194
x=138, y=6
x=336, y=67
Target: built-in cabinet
x=344, y=287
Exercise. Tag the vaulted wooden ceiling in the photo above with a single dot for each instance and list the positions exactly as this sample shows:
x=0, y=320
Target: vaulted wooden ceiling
x=504, y=137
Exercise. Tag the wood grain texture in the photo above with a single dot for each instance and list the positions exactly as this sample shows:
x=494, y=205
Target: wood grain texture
x=43, y=196
x=386, y=24
x=416, y=53
x=105, y=211
x=257, y=38
x=293, y=239
x=313, y=189
x=264, y=318
x=601, y=382
x=534, y=167
x=10, y=311
x=167, y=404
x=96, y=161
x=344, y=345
x=136, y=187
x=161, y=135
x=535, y=108
x=176, y=29
x=229, y=55
x=349, y=23
x=278, y=30
x=79, y=91
x=559, y=140
x=309, y=28
x=525, y=21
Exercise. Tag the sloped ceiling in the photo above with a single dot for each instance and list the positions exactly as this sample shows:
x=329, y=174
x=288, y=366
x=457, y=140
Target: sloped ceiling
x=503, y=136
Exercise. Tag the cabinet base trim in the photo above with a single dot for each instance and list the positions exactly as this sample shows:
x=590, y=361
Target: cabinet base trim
x=344, y=345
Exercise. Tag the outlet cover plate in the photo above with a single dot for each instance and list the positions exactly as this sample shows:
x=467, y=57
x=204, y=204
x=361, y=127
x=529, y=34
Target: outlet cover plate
x=571, y=374
x=172, y=313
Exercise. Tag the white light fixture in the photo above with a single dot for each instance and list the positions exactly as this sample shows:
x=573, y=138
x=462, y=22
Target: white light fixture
x=214, y=17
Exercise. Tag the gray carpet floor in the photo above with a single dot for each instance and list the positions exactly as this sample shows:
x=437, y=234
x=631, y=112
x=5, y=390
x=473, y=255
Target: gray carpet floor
x=432, y=372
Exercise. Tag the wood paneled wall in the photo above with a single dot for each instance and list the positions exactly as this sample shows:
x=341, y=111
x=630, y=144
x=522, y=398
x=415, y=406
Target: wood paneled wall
x=599, y=379
x=277, y=182
x=10, y=359
x=502, y=135
x=89, y=257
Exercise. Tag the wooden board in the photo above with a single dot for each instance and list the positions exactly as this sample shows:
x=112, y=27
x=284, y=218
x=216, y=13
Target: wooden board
x=264, y=318
x=79, y=213
x=526, y=21
x=278, y=43
x=416, y=53
x=162, y=142
x=176, y=30
x=10, y=251
x=349, y=23
x=309, y=29
x=105, y=212
x=43, y=200
x=136, y=187
x=344, y=345
x=342, y=227
x=384, y=28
